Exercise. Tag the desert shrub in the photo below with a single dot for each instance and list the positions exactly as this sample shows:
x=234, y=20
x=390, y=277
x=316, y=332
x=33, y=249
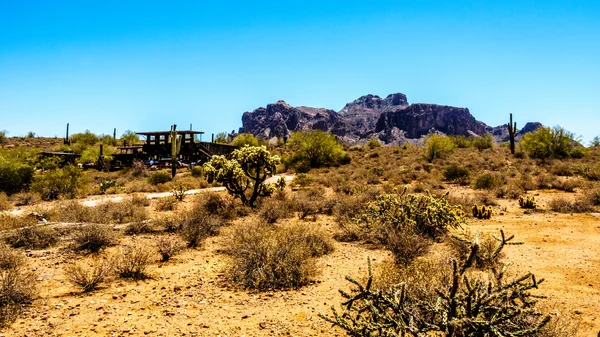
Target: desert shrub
x=61, y=182
x=266, y=257
x=428, y=215
x=159, y=177
x=373, y=143
x=273, y=210
x=34, y=237
x=467, y=303
x=140, y=200
x=4, y=203
x=166, y=204
x=545, y=181
x=141, y=227
x=88, y=275
x=302, y=180
x=106, y=185
x=510, y=190
x=486, y=181
x=437, y=146
x=317, y=148
x=15, y=176
x=10, y=258
x=197, y=171
x=120, y=212
x=406, y=245
x=551, y=143
x=129, y=137
x=592, y=196
x=483, y=142
x=567, y=185
x=18, y=288
x=92, y=238
x=245, y=139
x=589, y=172
x=132, y=262
x=245, y=173
x=489, y=254
x=197, y=226
x=87, y=138
x=138, y=168
x=8, y=221
x=25, y=199
x=167, y=248
x=456, y=173
x=170, y=224
x=564, y=205
x=562, y=169
x=219, y=204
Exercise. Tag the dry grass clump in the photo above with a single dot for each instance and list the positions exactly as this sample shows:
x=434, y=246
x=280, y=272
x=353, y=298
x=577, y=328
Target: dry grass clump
x=592, y=196
x=34, y=237
x=272, y=210
x=25, y=199
x=4, y=202
x=199, y=225
x=107, y=212
x=406, y=245
x=18, y=286
x=92, y=238
x=166, y=204
x=140, y=200
x=10, y=258
x=168, y=247
x=8, y=221
x=132, y=262
x=222, y=205
x=564, y=205
x=422, y=274
x=143, y=227
x=88, y=275
x=170, y=224
x=487, y=181
x=567, y=184
x=487, y=256
x=266, y=256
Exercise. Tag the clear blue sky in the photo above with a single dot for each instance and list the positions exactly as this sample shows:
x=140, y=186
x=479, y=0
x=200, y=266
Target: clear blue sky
x=144, y=65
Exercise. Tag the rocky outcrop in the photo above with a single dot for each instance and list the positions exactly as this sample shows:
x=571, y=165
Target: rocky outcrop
x=390, y=119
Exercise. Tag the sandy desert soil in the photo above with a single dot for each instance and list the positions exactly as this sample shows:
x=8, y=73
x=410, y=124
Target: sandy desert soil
x=189, y=296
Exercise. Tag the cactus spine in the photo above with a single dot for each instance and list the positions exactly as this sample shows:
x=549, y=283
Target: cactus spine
x=512, y=128
x=175, y=141
x=482, y=212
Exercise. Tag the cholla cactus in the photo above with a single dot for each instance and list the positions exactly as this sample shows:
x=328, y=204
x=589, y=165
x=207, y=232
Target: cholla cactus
x=482, y=212
x=245, y=173
x=464, y=305
x=527, y=202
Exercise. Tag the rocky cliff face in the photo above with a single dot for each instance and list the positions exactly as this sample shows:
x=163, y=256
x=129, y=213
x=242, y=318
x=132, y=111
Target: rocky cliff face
x=390, y=119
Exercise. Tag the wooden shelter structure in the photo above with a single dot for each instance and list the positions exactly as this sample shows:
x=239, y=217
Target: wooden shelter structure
x=157, y=147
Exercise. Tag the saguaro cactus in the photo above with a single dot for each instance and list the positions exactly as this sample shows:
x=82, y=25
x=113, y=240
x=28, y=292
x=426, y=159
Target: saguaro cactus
x=175, y=141
x=512, y=129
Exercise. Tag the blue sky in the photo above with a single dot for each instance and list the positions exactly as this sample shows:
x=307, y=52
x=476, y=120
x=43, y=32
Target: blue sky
x=144, y=65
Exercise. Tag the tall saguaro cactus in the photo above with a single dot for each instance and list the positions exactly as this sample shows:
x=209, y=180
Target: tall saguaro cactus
x=512, y=129
x=175, y=141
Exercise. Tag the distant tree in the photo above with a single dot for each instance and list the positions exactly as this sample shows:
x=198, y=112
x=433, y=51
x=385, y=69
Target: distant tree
x=87, y=138
x=130, y=137
x=553, y=142
x=245, y=139
x=245, y=173
x=62, y=182
x=595, y=142
x=317, y=148
x=30, y=134
x=3, y=137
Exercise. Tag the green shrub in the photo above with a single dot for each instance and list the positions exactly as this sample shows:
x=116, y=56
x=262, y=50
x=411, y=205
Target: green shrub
x=62, y=182
x=197, y=171
x=483, y=142
x=373, y=143
x=486, y=181
x=437, y=146
x=245, y=139
x=317, y=148
x=456, y=173
x=14, y=176
x=159, y=177
x=86, y=138
x=551, y=143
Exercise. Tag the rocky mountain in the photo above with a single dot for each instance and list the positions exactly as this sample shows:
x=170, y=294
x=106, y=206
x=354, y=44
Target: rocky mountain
x=392, y=120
